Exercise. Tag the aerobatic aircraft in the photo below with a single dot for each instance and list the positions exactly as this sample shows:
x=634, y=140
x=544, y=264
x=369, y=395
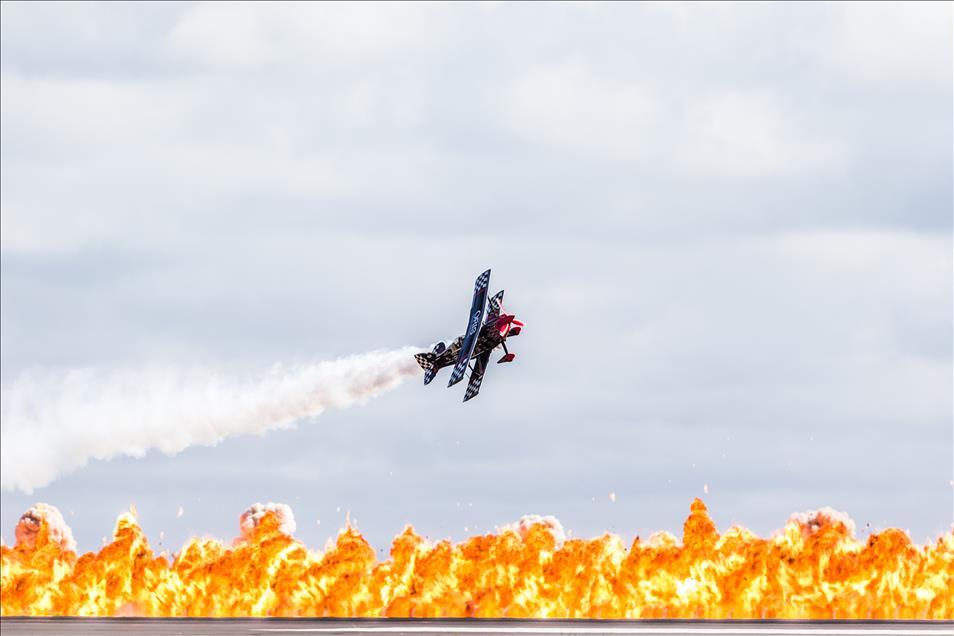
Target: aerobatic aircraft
x=483, y=335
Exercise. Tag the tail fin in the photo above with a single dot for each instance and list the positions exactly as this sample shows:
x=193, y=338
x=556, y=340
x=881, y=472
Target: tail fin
x=426, y=360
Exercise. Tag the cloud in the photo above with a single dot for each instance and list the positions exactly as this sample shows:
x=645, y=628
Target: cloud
x=250, y=37
x=570, y=108
x=882, y=43
x=727, y=228
x=748, y=135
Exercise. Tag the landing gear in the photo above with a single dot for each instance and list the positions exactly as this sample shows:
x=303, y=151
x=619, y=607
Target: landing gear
x=508, y=357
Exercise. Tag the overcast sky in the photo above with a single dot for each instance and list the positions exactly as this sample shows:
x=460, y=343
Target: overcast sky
x=727, y=227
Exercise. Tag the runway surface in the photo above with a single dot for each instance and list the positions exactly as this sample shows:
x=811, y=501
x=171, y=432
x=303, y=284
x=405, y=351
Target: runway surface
x=433, y=627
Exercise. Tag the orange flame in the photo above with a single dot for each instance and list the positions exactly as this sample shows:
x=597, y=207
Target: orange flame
x=813, y=568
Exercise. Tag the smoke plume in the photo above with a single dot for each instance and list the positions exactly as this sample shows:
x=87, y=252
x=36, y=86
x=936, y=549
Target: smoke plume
x=55, y=422
x=527, y=522
x=254, y=514
x=32, y=521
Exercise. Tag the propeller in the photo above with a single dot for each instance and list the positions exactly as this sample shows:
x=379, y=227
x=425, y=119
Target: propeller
x=508, y=324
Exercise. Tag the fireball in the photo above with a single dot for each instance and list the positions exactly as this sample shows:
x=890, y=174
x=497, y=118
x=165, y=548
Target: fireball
x=814, y=567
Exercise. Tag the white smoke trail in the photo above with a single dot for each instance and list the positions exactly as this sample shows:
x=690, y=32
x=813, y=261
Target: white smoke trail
x=53, y=423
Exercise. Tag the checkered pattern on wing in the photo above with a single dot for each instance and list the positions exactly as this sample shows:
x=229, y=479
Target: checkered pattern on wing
x=482, y=281
x=429, y=374
x=473, y=327
x=477, y=376
x=473, y=387
x=493, y=307
x=458, y=373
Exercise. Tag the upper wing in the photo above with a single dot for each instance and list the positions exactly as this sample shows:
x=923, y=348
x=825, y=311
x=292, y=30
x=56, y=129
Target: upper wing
x=493, y=307
x=473, y=327
x=477, y=375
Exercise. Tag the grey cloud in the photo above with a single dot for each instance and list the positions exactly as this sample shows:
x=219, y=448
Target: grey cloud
x=728, y=229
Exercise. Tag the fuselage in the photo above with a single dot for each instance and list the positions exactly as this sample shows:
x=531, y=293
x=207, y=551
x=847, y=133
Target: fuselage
x=488, y=339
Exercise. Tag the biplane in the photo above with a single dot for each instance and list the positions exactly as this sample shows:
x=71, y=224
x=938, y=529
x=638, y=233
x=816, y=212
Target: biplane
x=484, y=334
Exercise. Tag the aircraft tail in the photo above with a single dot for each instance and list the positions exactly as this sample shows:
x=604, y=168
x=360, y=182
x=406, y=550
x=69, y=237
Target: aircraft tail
x=426, y=360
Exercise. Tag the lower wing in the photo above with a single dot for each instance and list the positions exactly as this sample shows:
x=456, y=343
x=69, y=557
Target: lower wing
x=477, y=375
